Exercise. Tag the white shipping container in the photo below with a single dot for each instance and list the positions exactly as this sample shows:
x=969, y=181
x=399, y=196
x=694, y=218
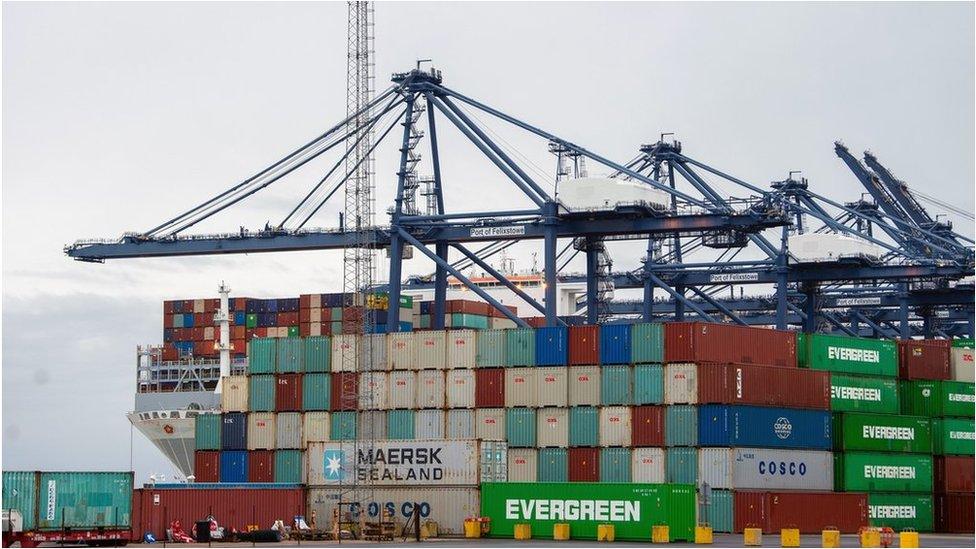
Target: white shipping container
x=234, y=394
x=430, y=389
x=208, y=333
x=401, y=351
x=374, y=391
x=521, y=388
x=552, y=428
x=459, y=388
x=584, y=385
x=345, y=352
x=374, y=347
x=522, y=464
x=462, y=348
x=316, y=427
x=681, y=384
x=552, y=383
x=647, y=465
x=490, y=423
x=961, y=364
x=403, y=389
x=502, y=323
x=371, y=424
x=315, y=301
x=459, y=424
x=261, y=431
x=766, y=469
x=431, y=349
x=448, y=507
x=615, y=426
x=288, y=431
x=429, y=424
x=397, y=463
x=315, y=314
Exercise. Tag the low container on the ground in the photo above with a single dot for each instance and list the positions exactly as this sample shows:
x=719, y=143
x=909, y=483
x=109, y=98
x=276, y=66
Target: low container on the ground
x=954, y=513
x=810, y=512
x=901, y=511
x=954, y=474
x=78, y=500
x=447, y=506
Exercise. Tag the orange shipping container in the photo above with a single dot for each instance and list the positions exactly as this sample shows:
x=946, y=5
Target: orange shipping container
x=728, y=344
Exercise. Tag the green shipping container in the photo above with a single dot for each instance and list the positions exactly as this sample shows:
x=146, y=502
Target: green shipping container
x=631, y=508
x=615, y=465
x=316, y=392
x=520, y=427
x=648, y=384
x=937, y=398
x=875, y=395
x=552, y=465
x=293, y=331
x=901, y=511
x=584, y=426
x=343, y=426
x=882, y=433
x=681, y=465
x=465, y=320
x=616, y=385
x=206, y=431
x=261, y=355
x=77, y=500
x=425, y=322
x=491, y=349
x=681, y=425
x=953, y=436
x=335, y=315
x=251, y=321
x=290, y=355
x=877, y=472
x=520, y=347
x=647, y=342
x=720, y=511
x=963, y=342
x=288, y=466
x=850, y=355
x=400, y=425
x=318, y=354
x=261, y=393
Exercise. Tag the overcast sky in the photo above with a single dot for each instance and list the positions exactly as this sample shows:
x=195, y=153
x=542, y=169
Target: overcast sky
x=117, y=115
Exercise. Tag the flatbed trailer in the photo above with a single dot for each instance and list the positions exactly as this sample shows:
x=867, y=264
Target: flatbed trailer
x=98, y=537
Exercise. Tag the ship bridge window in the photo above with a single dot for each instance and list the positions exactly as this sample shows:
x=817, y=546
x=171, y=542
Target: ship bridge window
x=155, y=415
x=174, y=415
x=191, y=414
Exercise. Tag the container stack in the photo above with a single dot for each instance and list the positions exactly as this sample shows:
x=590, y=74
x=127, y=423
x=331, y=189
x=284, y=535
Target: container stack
x=461, y=313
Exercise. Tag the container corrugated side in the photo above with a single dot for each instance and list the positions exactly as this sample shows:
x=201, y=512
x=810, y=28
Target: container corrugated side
x=318, y=354
x=759, y=427
x=345, y=352
x=430, y=389
x=521, y=387
x=901, y=511
x=923, y=359
x=615, y=422
x=20, y=492
x=462, y=349
x=490, y=348
x=876, y=395
x=374, y=391
x=882, y=472
x=954, y=474
x=261, y=393
x=400, y=424
x=647, y=465
x=84, y=500
x=961, y=364
x=681, y=425
x=520, y=427
x=584, y=426
x=429, y=424
x=616, y=385
x=435, y=462
x=551, y=346
x=315, y=427
x=681, y=383
x=615, y=346
x=520, y=347
x=289, y=466
x=953, y=436
x=288, y=431
x=460, y=388
x=766, y=469
x=850, y=355
x=584, y=385
x=206, y=429
x=720, y=512
x=261, y=427
x=552, y=427
x=553, y=465
x=459, y=424
x=681, y=465
x=316, y=392
x=647, y=343
x=261, y=355
x=882, y=433
x=447, y=506
x=343, y=426
x=371, y=424
x=954, y=513
x=762, y=386
x=234, y=393
x=522, y=464
x=553, y=386
x=937, y=398
x=810, y=512
x=728, y=344
x=615, y=465
x=648, y=384
x=490, y=423
x=431, y=349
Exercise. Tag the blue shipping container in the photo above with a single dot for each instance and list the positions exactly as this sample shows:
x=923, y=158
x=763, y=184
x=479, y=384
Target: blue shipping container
x=188, y=320
x=233, y=432
x=758, y=427
x=233, y=466
x=615, y=344
x=240, y=318
x=551, y=346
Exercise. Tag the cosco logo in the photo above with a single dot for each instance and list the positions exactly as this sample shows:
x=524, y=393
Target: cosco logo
x=783, y=428
x=406, y=509
x=782, y=468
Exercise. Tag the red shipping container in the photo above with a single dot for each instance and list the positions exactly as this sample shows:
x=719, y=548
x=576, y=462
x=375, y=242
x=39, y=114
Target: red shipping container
x=304, y=316
x=167, y=307
x=197, y=333
x=211, y=305
x=811, y=512
x=202, y=319
x=206, y=466
x=288, y=393
x=238, y=347
x=304, y=329
x=923, y=359
x=489, y=388
x=499, y=314
x=954, y=513
x=304, y=301
x=237, y=332
x=468, y=307
x=234, y=508
x=536, y=321
x=763, y=386
x=728, y=344
x=260, y=466
x=170, y=352
x=167, y=321
x=240, y=303
x=584, y=464
x=345, y=388
x=954, y=474
x=647, y=426
x=584, y=345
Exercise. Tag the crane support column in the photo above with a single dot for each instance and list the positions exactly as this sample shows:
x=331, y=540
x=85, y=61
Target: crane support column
x=781, y=280
x=648, y=305
x=440, y=288
x=396, y=242
x=904, y=328
x=549, y=258
x=679, y=304
x=810, y=308
x=927, y=323
x=592, y=314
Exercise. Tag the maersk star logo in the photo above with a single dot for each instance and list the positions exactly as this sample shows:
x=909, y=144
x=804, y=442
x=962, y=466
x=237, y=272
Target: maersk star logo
x=333, y=465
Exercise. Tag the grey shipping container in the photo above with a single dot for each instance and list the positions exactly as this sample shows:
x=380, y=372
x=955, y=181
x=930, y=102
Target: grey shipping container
x=459, y=424
x=491, y=348
x=766, y=469
x=288, y=431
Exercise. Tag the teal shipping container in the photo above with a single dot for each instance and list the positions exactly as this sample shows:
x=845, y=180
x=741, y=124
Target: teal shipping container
x=552, y=465
x=681, y=465
x=491, y=348
x=206, y=432
x=316, y=392
x=400, y=424
x=261, y=393
x=290, y=355
x=318, y=354
x=616, y=385
x=615, y=465
x=584, y=426
x=719, y=513
x=343, y=426
x=288, y=466
x=464, y=320
x=77, y=500
x=681, y=426
x=647, y=343
x=648, y=384
x=262, y=355
x=520, y=347
x=520, y=427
